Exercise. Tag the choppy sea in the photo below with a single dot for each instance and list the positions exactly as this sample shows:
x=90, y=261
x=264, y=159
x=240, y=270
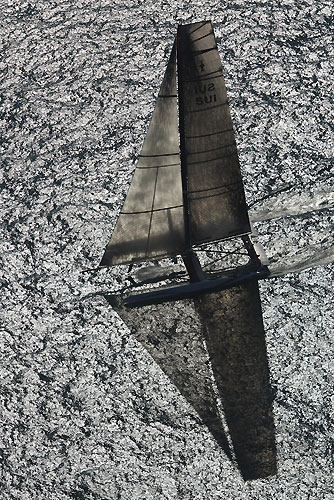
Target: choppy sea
x=86, y=412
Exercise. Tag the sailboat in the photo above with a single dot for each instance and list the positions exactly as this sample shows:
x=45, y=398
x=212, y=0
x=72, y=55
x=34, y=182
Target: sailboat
x=187, y=189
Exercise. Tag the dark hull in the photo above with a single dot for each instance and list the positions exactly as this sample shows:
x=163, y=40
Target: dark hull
x=191, y=290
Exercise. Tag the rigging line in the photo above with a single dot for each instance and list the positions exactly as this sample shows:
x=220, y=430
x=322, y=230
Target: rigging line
x=221, y=258
x=234, y=252
x=153, y=200
x=207, y=109
x=149, y=211
x=201, y=37
x=224, y=252
x=231, y=236
x=198, y=27
x=213, y=149
x=225, y=269
x=209, y=135
x=167, y=253
x=213, y=159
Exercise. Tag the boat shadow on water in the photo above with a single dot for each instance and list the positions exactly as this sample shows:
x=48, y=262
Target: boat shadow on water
x=213, y=350
x=235, y=339
x=186, y=195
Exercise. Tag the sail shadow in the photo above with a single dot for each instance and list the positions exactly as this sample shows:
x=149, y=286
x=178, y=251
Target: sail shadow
x=172, y=333
x=236, y=343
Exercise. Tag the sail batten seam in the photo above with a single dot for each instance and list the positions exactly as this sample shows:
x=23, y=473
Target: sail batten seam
x=160, y=166
x=157, y=156
x=203, y=51
x=209, y=135
x=198, y=27
x=213, y=149
x=217, y=187
x=201, y=37
x=149, y=211
x=239, y=187
x=213, y=159
x=197, y=78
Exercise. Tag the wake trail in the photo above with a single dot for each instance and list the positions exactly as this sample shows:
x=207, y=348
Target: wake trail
x=285, y=204
x=301, y=259
x=284, y=250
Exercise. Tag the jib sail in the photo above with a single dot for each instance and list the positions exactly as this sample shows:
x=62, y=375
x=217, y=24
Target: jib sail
x=151, y=223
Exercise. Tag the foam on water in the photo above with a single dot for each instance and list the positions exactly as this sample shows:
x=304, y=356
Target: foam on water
x=285, y=204
x=307, y=219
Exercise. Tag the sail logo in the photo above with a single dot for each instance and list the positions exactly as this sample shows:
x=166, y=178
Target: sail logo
x=205, y=93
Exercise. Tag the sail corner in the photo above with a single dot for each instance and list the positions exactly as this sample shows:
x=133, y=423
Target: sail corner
x=107, y=260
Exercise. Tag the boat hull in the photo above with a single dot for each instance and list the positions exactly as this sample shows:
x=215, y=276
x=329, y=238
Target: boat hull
x=191, y=290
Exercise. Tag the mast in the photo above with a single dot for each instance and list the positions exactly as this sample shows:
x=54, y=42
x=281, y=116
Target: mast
x=180, y=41
x=189, y=257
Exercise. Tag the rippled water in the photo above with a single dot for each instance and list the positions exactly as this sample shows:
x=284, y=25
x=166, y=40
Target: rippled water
x=86, y=412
